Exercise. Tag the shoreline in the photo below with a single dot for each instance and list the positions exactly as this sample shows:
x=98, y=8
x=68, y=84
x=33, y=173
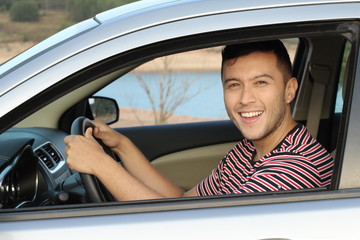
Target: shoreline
x=129, y=117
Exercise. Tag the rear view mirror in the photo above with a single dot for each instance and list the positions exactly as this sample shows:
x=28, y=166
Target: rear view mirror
x=105, y=109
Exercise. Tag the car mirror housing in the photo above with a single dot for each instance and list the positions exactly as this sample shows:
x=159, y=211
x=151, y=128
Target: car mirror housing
x=105, y=109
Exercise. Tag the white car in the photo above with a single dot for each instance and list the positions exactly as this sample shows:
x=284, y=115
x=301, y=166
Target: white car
x=44, y=89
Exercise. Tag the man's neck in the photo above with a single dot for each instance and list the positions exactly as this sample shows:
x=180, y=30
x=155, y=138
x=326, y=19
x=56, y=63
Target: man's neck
x=267, y=144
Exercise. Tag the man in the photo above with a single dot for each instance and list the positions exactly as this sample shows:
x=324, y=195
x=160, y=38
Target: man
x=276, y=154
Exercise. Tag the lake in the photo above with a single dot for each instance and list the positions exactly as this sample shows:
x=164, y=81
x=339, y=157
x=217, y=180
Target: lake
x=203, y=90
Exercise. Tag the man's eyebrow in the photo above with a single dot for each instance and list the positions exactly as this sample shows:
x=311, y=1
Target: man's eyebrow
x=253, y=78
x=262, y=75
x=230, y=79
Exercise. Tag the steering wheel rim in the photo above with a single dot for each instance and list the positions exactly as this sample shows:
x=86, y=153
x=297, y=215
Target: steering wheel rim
x=95, y=190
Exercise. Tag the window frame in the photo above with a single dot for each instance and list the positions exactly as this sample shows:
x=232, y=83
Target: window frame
x=145, y=53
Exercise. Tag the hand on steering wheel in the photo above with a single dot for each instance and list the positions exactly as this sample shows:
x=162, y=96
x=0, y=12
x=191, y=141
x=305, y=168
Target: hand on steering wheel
x=96, y=192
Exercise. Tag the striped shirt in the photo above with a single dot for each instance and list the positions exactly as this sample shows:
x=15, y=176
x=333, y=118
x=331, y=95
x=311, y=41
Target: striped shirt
x=298, y=162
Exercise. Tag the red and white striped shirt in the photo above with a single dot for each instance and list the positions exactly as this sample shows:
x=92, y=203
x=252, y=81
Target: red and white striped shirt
x=298, y=162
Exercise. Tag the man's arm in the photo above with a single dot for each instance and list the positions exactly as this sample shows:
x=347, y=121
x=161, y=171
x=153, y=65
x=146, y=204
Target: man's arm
x=140, y=168
x=140, y=180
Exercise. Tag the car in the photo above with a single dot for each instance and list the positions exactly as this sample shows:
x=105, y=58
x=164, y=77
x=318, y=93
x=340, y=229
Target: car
x=97, y=68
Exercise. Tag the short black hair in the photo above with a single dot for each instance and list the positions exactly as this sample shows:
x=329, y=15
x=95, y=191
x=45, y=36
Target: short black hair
x=276, y=46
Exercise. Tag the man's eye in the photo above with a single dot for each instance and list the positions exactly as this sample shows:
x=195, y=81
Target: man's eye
x=261, y=82
x=232, y=85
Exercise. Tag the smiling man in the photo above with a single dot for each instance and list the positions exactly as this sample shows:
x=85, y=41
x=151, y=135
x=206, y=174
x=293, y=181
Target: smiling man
x=275, y=154
x=258, y=90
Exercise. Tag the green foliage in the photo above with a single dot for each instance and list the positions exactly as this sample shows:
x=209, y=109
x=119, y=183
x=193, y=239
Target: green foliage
x=24, y=11
x=83, y=9
x=51, y=4
x=5, y=4
x=25, y=37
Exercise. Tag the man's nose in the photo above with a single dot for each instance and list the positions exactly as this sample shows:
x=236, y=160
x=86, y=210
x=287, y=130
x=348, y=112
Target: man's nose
x=247, y=95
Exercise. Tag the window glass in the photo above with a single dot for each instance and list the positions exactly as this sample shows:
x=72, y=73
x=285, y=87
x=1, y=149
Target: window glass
x=179, y=88
x=343, y=74
x=184, y=87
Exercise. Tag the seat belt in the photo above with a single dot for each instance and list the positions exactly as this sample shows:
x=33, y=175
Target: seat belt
x=320, y=76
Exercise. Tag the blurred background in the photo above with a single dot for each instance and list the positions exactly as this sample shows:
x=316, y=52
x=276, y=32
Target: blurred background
x=24, y=23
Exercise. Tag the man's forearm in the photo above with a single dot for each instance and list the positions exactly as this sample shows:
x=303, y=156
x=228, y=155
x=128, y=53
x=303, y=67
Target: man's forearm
x=140, y=168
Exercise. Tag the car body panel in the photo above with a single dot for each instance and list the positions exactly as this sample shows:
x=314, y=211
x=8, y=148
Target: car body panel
x=298, y=218
x=350, y=167
x=39, y=49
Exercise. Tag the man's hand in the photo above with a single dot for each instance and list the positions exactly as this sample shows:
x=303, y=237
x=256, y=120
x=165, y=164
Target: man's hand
x=84, y=153
x=108, y=136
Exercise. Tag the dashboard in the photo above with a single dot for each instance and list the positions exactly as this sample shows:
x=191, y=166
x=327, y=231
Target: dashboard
x=33, y=170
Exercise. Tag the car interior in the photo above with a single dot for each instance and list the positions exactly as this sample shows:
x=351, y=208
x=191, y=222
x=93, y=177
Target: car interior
x=34, y=171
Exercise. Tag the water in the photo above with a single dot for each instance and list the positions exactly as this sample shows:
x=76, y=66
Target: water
x=205, y=95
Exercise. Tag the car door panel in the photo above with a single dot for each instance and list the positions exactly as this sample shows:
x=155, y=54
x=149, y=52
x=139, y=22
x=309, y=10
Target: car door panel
x=158, y=140
x=188, y=167
x=179, y=220
x=185, y=153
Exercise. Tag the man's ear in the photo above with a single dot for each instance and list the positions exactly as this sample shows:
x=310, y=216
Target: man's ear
x=290, y=90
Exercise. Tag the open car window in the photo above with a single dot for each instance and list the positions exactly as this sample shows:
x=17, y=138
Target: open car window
x=174, y=89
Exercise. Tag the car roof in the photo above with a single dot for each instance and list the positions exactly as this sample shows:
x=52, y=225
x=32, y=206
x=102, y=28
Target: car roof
x=153, y=12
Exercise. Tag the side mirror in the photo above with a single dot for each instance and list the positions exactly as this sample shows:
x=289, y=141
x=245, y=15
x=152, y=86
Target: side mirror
x=105, y=109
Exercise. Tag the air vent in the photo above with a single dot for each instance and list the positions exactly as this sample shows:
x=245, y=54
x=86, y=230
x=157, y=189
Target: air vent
x=51, y=151
x=48, y=155
x=45, y=158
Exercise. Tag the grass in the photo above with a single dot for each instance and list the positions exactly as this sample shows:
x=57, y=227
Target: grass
x=50, y=22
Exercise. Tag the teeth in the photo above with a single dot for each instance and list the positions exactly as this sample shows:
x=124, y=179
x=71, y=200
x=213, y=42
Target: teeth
x=250, y=114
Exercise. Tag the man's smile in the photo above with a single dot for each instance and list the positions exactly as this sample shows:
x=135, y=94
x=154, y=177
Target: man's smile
x=250, y=114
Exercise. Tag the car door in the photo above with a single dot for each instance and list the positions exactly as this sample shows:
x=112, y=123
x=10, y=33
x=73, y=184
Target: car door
x=314, y=213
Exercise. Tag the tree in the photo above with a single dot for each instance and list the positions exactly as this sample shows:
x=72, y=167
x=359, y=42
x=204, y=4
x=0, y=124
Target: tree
x=170, y=93
x=24, y=11
x=5, y=4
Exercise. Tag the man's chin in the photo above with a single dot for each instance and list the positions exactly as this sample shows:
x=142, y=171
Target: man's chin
x=252, y=136
x=253, y=139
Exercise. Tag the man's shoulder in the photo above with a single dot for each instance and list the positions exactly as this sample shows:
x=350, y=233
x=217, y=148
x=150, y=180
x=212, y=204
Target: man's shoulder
x=299, y=135
x=299, y=144
x=300, y=140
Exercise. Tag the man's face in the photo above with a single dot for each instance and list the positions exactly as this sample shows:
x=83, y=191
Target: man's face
x=254, y=94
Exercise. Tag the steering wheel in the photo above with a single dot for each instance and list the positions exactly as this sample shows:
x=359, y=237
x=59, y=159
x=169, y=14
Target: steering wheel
x=96, y=191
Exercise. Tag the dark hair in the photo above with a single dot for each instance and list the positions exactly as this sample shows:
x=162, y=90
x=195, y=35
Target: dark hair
x=275, y=46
